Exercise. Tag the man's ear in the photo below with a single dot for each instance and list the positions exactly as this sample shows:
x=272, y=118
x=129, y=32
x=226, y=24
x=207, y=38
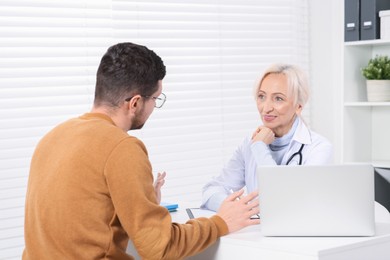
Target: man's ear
x=134, y=103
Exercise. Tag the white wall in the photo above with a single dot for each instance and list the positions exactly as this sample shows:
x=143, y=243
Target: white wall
x=326, y=42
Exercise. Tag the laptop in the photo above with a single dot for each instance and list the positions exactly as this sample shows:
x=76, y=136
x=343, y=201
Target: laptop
x=308, y=200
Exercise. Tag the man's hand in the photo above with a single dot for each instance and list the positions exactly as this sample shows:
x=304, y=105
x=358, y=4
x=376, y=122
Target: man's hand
x=236, y=210
x=158, y=183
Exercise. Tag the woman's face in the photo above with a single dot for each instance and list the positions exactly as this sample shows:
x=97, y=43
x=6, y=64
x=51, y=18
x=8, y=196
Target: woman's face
x=275, y=105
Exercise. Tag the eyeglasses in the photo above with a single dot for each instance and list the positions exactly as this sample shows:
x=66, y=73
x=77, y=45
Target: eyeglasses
x=159, y=101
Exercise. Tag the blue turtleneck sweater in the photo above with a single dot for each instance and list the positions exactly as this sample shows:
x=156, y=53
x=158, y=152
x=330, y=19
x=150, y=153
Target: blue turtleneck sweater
x=279, y=146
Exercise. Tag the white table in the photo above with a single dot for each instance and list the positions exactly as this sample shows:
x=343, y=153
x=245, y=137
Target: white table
x=249, y=243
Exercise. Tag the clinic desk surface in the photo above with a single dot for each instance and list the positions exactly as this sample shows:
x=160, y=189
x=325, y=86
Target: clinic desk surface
x=249, y=243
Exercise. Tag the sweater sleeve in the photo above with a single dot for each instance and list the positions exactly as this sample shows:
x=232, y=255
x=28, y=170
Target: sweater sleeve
x=130, y=182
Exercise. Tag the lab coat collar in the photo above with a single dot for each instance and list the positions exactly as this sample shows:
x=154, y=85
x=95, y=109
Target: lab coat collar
x=302, y=133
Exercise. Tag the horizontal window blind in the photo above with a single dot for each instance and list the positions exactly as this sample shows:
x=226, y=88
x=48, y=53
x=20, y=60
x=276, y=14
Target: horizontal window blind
x=214, y=52
x=49, y=51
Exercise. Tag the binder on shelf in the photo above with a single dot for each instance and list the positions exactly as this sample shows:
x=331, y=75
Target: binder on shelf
x=351, y=20
x=369, y=18
x=384, y=17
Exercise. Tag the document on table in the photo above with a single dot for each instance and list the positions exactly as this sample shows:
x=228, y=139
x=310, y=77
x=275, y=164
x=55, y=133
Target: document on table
x=197, y=213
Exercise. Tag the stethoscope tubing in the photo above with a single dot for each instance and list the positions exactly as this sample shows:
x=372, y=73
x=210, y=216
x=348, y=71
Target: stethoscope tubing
x=299, y=153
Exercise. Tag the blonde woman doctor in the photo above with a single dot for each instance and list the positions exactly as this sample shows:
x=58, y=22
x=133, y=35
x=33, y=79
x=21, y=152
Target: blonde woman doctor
x=282, y=139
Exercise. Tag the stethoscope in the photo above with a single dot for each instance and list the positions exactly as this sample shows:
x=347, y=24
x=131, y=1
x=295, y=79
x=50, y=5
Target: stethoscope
x=299, y=153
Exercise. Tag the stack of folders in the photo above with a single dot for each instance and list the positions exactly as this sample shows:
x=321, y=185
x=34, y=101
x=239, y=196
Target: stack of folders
x=171, y=207
x=362, y=21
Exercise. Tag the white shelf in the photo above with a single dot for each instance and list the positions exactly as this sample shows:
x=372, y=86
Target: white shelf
x=367, y=104
x=376, y=164
x=365, y=125
x=381, y=164
x=368, y=43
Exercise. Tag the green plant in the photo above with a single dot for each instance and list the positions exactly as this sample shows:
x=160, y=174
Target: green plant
x=377, y=68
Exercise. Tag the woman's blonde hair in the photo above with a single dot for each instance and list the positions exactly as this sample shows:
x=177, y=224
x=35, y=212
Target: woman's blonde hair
x=298, y=85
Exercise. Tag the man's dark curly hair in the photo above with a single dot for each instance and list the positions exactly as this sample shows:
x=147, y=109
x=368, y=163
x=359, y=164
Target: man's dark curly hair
x=127, y=69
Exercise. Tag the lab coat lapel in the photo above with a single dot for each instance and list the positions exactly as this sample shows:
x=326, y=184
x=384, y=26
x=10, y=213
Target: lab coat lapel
x=301, y=136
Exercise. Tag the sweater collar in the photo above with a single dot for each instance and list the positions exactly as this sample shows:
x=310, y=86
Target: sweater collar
x=97, y=116
x=284, y=140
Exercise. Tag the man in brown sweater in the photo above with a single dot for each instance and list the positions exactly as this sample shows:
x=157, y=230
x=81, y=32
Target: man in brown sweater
x=91, y=188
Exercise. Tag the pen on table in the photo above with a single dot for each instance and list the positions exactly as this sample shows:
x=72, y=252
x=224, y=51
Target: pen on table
x=190, y=214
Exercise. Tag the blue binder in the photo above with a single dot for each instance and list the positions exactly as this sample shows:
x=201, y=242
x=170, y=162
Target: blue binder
x=169, y=206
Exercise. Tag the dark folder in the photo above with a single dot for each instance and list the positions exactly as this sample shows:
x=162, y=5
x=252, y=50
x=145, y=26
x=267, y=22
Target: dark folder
x=369, y=18
x=351, y=20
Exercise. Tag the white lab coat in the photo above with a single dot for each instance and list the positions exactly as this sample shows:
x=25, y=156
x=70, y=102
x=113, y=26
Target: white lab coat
x=240, y=171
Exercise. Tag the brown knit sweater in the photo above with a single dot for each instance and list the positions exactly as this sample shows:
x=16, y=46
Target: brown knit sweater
x=90, y=189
